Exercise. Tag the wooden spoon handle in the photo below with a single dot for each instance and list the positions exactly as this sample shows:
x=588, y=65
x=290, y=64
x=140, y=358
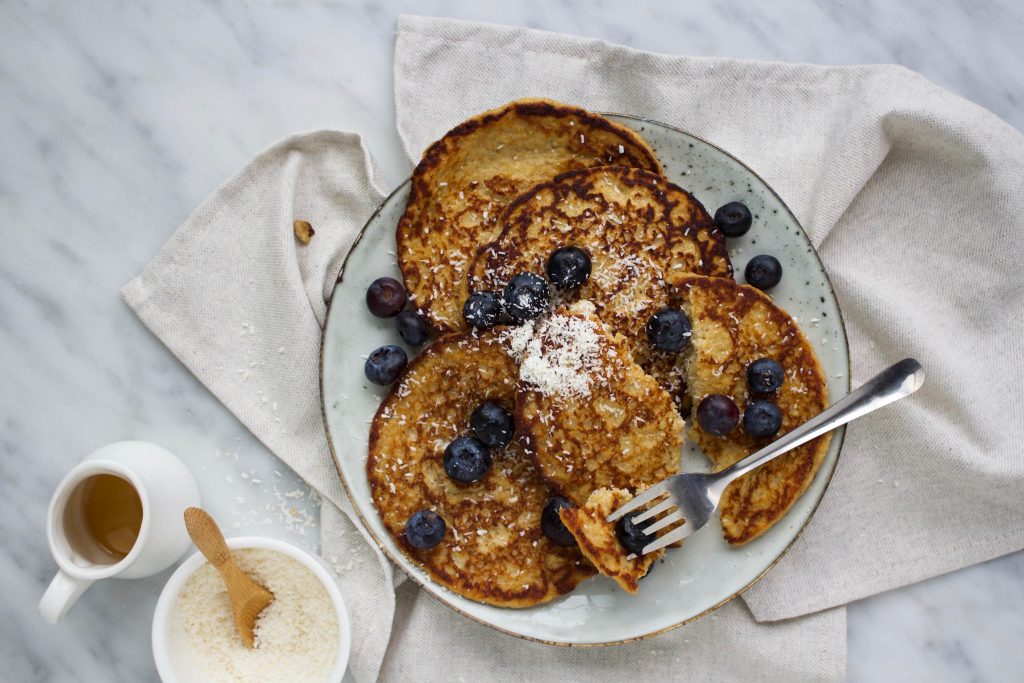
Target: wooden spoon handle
x=207, y=536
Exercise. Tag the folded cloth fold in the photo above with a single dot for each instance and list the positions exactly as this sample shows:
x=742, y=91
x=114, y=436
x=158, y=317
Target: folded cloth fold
x=914, y=198
x=433, y=643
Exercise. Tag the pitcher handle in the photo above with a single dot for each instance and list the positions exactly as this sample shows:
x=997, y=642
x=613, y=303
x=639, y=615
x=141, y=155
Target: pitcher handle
x=62, y=593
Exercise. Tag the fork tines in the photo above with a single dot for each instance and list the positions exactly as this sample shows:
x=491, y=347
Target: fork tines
x=662, y=515
x=677, y=534
x=639, y=501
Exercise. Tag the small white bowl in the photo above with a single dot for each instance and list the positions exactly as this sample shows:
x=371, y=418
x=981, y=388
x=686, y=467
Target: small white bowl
x=170, y=647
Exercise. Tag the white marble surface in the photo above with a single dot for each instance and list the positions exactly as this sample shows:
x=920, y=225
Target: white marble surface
x=118, y=118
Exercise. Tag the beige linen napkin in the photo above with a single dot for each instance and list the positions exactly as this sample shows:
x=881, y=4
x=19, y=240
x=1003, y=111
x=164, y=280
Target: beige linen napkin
x=433, y=643
x=914, y=198
x=241, y=304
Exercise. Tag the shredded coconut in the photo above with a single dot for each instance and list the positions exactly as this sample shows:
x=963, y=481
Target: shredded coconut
x=519, y=337
x=558, y=355
x=296, y=636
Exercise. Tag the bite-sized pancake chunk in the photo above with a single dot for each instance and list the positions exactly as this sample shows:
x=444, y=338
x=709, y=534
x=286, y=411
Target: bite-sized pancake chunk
x=589, y=415
x=734, y=325
x=466, y=179
x=493, y=549
x=599, y=543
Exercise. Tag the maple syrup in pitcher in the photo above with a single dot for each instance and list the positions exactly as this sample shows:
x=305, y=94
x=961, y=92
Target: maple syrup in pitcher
x=103, y=518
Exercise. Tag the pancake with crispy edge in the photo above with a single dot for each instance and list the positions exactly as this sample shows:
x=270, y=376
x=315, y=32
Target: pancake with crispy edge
x=600, y=421
x=641, y=233
x=466, y=179
x=734, y=325
x=493, y=550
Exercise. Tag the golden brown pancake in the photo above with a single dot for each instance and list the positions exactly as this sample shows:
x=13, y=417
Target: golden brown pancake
x=493, y=550
x=466, y=179
x=734, y=325
x=590, y=527
x=589, y=415
x=640, y=230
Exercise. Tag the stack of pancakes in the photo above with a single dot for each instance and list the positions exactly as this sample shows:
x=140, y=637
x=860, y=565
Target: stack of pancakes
x=494, y=198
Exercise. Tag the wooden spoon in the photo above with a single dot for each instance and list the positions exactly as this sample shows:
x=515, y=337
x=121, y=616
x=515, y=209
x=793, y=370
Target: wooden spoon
x=248, y=598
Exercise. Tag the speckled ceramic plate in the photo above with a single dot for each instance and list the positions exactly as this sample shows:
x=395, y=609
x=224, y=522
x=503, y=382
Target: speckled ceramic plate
x=691, y=581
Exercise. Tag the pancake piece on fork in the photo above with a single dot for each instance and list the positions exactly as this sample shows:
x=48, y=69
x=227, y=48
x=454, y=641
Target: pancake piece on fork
x=599, y=543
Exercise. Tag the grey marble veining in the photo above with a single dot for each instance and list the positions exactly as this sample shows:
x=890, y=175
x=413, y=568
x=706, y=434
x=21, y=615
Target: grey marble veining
x=118, y=118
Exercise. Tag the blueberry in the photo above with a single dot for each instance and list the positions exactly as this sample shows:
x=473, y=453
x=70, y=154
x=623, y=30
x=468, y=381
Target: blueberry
x=425, y=529
x=669, y=330
x=717, y=414
x=526, y=296
x=733, y=219
x=632, y=536
x=764, y=376
x=492, y=424
x=483, y=309
x=762, y=419
x=385, y=364
x=568, y=267
x=552, y=525
x=412, y=327
x=763, y=272
x=466, y=460
x=385, y=297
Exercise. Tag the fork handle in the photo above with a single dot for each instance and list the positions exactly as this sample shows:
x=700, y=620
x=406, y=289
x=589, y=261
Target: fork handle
x=893, y=383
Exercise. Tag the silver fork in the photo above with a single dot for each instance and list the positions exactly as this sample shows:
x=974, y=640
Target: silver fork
x=693, y=497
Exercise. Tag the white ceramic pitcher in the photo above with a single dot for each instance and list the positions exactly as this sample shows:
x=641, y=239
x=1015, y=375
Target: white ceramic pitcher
x=165, y=487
